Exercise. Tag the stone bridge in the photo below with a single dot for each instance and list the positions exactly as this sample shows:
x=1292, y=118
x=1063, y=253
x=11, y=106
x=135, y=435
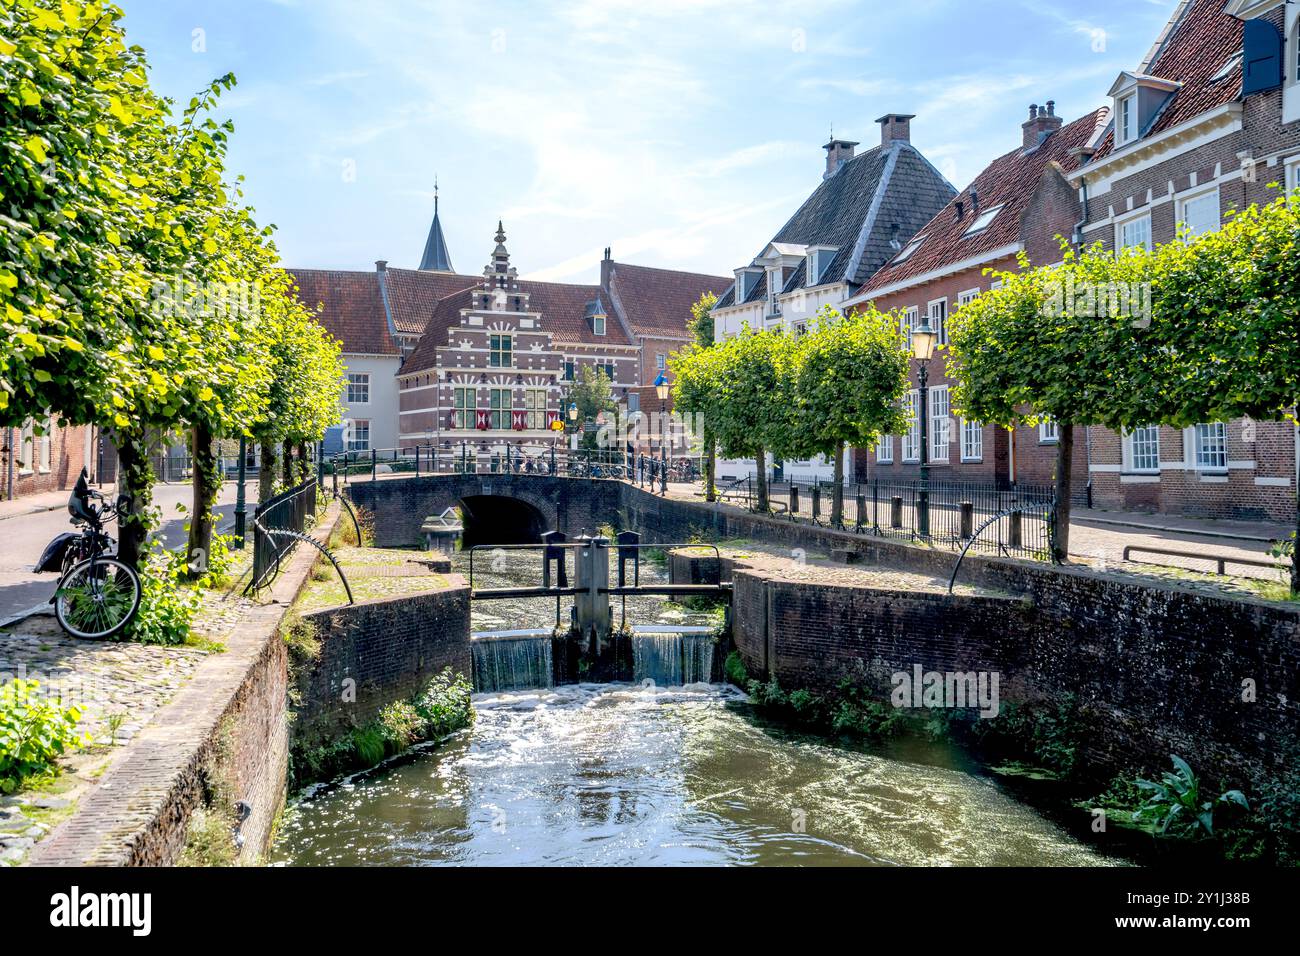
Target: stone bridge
x=499, y=509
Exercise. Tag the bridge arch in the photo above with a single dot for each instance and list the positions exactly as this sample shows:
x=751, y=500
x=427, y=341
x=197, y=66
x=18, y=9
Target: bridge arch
x=501, y=519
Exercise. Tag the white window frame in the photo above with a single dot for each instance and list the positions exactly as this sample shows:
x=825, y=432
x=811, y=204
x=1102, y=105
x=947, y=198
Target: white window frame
x=501, y=417
x=972, y=441
x=355, y=443
x=965, y=298
x=1122, y=224
x=1126, y=119
x=910, y=319
x=936, y=311
x=464, y=407
x=1210, y=439
x=1194, y=196
x=44, y=446
x=1151, y=451
x=598, y=325
x=885, y=450
x=939, y=408
x=912, y=437
x=661, y=362
x=1048, y=432
x=27, y=449
x=1292, y=175
x=358, y=380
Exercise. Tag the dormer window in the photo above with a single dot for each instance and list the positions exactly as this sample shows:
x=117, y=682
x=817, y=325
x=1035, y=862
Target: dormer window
x=1139, y=98
x=982, y=221
x=910, y=248
x=818, y=261
x=598, y=324
x=1126, y=123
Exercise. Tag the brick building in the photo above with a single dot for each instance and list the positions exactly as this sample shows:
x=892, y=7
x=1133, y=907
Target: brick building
x=868, y=206
x=1196, y=135
x=385, y=317
x=1021, y=203
x=497, y=358
x=36, y=463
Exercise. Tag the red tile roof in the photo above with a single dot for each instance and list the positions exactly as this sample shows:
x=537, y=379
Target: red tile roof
x=1009, y=181
x=657, y=302
x=413, y=294
x=1201, y=42
x=351, y=308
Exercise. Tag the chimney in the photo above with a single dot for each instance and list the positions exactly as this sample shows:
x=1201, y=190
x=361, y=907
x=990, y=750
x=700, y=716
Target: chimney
x=895, y=126
x=838, y=152
x=381, y=265
x=606, y=269
x=1041, y=124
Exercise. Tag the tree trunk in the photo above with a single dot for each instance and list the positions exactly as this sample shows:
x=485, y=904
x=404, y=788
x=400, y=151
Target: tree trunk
x=1295, y=548
x=207, y=483
x=1064, y=465
x=710, y=467
x=837, y=492
x=266, y=474
x=135, y=479
x=286, y=448
x=760, y=479
x=304, y=470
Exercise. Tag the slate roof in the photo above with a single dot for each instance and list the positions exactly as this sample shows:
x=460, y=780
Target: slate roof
x=657, y=302
x=857, y=208
x=1010, y=182
x=1200, y=40
x=350, y=308
x=436, y=257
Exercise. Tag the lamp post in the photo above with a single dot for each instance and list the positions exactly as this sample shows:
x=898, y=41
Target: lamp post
x=923, y=339
x=661, y=389
x=239, y=491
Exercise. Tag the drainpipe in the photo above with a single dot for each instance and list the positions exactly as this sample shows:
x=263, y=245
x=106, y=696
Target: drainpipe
x=9, y=466
x=1087, y=445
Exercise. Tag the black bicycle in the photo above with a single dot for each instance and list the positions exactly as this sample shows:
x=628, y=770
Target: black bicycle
x=98, y=594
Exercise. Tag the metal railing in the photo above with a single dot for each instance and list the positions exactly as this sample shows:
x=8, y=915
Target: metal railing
x=458, y=458
x=892, y=509
x=277, y=527
x=1220, y=561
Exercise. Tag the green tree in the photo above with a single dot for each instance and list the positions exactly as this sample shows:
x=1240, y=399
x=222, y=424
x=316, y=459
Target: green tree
x=753, y=409
x=849, y=381
x=700, y=327
x=593, y=393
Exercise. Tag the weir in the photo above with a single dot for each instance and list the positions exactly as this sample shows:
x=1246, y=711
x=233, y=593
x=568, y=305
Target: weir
x=512, y=661
x=673, y=658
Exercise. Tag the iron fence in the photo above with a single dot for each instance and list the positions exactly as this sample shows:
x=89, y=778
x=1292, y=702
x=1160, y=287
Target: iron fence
x=276, y=526
x=955, y=509
x=467, y=458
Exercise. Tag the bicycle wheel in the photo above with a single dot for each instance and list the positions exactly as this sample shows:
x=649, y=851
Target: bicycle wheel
x=96, y=599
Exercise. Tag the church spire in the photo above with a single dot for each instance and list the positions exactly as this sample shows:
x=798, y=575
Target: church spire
x=436, y=258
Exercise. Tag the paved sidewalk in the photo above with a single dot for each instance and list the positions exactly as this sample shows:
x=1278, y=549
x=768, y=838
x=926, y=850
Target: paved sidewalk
x=1099, y=538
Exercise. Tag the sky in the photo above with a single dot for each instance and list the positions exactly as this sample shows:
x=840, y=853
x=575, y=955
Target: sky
x=680, y=133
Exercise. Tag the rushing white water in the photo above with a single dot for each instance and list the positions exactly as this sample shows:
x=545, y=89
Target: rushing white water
x=672, y=659
x=512, y=663
x=616, y=774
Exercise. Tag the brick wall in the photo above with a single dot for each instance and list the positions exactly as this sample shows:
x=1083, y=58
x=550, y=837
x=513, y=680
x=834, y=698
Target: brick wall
x=31, y=476
x=389, y=648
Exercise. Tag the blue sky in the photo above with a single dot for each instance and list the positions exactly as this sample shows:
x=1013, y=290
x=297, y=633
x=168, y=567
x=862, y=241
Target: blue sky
x=682, y=133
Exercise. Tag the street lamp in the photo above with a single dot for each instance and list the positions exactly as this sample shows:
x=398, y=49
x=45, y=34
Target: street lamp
x=661, y=389
x=923, y=339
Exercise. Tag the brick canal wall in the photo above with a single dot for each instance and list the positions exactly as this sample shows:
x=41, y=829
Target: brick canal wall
x=376, y=652
x=225, y=731
x=1157, y=668
x=400, y=505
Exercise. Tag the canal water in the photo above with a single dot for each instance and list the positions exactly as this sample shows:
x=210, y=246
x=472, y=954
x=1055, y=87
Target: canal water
x=643, y=773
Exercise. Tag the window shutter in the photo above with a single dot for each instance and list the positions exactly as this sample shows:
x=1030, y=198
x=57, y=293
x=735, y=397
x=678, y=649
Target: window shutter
x=1261, y=62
